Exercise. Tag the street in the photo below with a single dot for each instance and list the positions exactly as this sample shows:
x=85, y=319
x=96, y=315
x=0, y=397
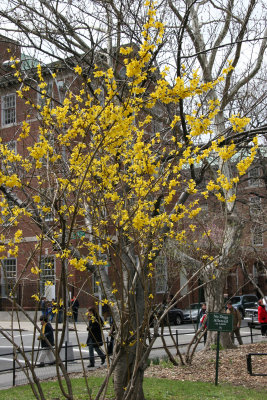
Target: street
x=182, y=333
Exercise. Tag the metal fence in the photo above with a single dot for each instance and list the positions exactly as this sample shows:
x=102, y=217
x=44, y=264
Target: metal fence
x=251, y=366
x=73, y=363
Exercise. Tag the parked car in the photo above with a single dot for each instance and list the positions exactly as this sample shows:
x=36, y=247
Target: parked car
x=243, y=302
x=192, y=313
x=174, y=316
x=251, y=316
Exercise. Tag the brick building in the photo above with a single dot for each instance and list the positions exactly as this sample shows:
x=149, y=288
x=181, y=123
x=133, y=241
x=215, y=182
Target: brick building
x=251, y=206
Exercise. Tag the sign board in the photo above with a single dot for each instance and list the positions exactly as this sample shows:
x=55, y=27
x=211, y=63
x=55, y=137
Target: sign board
x=220, y=322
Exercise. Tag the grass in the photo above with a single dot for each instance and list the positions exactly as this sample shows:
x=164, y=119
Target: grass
x=155, y=389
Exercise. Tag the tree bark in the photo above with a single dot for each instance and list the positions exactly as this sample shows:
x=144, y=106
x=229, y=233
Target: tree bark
x=124, y=371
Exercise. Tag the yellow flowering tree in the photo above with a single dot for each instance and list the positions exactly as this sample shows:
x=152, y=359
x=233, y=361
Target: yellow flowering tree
x=98, y=164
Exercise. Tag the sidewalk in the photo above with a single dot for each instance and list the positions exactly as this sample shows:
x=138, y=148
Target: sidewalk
x=28, y=326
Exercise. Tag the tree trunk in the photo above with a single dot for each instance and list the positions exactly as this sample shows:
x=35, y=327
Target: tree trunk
x=215, y=275
x=215, y=300
x=128, y=379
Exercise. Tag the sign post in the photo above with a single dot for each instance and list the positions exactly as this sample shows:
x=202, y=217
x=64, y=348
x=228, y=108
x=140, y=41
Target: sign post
x=221, y=323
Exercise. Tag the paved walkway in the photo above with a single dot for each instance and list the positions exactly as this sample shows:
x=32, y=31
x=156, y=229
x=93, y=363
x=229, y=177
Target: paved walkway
x=28, y=326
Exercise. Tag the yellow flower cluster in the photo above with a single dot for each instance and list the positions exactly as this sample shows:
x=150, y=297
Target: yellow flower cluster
x=239, y=123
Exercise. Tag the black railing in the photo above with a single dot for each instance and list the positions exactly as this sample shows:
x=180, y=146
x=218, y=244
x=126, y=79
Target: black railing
x=249, y=363
x=16, y=356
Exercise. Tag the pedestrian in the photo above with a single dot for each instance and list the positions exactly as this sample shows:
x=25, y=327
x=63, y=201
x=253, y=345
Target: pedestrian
x=236, y=322
x=203, y=312
x=75, y=308
x=43, y=305
x=47, y=340
x=105, y=312
x=49, y=311
x=54, y=309
x=94, y=339
x=262, y=318
x=203, y=323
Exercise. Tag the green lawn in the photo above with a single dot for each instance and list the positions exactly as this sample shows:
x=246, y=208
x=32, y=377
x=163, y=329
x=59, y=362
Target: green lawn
x=155, y=389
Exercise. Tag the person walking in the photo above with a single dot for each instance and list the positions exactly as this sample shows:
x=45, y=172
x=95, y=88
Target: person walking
x=236, y=322
x=47, y=340
x=202, y=312
x=94, y=339
x=43, y=305
x=203, y=324
x=75, y=308
x=54, y=310
x=262, y=318
x=49, y=311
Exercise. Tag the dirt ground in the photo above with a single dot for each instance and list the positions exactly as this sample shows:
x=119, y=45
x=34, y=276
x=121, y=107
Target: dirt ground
x=232, y=367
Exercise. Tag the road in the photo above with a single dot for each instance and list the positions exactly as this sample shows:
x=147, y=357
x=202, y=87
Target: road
x=182, y=333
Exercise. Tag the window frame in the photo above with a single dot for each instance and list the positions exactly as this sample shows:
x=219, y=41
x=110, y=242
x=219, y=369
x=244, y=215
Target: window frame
x=45, y=260
x=41, y=98
x=5, y=109
x=255, y=206
x=254, y=176
x=7, y=280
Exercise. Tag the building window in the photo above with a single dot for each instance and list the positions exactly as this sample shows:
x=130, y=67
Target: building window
x=12, y=146
x=9, y=109
x=47, y=273
x=254, y=175
x=42, y=98
x=255, y=206
x=62, y=90
x=8, y=276
x=161, y=274
x=47, y=214
x=257, y=235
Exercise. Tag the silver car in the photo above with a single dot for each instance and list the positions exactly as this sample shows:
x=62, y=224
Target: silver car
x=192, y=314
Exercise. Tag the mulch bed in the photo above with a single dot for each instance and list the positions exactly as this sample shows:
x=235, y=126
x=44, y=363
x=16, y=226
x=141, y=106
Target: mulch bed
x=232, y=367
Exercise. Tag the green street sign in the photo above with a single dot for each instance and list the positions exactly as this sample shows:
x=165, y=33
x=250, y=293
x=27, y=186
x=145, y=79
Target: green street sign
x=220, y=322
x=80, y=234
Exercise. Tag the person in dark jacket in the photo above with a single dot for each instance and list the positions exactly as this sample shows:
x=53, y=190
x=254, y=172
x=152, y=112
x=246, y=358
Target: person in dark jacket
x=236, y=322
x=43, y=305
x=94, y=339
x=75, y=308
x=262, y=317
x=47, y=340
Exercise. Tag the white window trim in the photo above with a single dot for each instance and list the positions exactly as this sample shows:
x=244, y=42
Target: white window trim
x=255, y=206
x=3, y=110
x=12, y=146
x=4, y=277
x=254, y=177
x=41, y=98
x=45, y=277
